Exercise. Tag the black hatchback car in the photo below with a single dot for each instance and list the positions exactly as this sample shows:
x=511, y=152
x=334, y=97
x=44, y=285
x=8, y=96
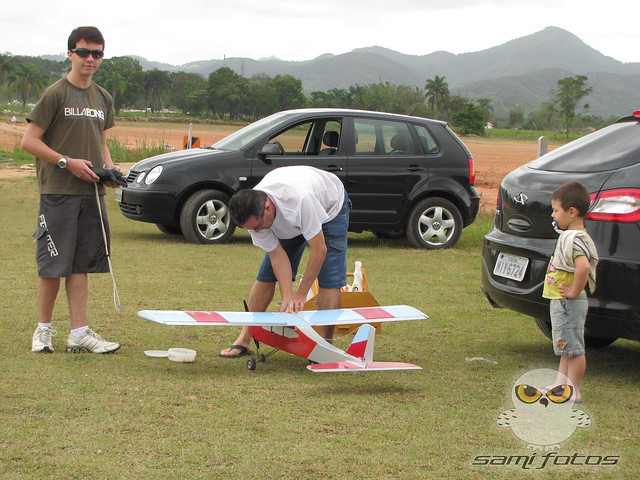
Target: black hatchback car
x=404, y=175
x=516, y=250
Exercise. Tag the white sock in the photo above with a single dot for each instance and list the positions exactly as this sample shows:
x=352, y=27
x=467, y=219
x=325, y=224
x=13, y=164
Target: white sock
x=44, y=325
x=79, y=332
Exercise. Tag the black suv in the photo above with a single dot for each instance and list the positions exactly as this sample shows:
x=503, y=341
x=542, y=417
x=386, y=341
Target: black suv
x=404, y=175
x=517, y=249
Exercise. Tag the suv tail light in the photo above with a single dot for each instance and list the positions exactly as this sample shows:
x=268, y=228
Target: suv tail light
x=497, y=219
x=621, y=205
x=472, y=171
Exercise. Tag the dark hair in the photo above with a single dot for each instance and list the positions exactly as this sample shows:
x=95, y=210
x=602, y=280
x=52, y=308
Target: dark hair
x=89, y=34
x=245, y=204
x=573, y=194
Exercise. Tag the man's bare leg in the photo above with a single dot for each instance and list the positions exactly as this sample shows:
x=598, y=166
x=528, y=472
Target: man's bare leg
x=77, y=286
x=328, y=299
x=260, y=297
x=47, y=294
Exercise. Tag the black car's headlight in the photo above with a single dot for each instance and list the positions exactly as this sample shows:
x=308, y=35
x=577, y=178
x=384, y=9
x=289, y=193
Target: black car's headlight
x=153, y=175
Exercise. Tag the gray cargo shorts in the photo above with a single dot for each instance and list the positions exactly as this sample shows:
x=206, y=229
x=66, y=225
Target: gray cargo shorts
x=69, y=236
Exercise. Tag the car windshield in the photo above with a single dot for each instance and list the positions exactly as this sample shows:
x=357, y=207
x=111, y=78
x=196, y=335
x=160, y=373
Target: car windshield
x=613, y=147
x=251, y=132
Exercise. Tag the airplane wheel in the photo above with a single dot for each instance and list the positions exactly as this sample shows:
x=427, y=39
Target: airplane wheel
x=262, y=358
x=251, y=364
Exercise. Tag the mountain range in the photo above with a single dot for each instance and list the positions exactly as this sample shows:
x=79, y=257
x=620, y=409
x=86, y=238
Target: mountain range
x=518, y=74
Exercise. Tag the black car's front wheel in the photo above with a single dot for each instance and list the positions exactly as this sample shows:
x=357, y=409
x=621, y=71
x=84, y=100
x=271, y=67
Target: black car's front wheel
x=169, y=229
x=390, y=234
x=434, y=223
x=205, y=218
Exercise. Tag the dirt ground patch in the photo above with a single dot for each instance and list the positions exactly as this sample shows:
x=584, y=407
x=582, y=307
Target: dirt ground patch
x=494, y=158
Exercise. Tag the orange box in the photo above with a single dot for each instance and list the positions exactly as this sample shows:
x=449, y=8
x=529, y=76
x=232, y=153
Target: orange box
x=349, y=300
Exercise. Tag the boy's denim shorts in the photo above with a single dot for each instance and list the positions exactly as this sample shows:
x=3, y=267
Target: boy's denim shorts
x=333, y=273
x=567, y=325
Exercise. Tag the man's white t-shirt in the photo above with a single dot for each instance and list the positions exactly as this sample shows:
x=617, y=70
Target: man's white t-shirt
x=305, y=199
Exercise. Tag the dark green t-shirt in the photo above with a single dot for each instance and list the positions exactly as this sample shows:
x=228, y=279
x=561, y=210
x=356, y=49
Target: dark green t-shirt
x=73, y=120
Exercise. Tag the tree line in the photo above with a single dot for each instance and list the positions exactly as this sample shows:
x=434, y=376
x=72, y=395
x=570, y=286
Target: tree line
x=225, y=95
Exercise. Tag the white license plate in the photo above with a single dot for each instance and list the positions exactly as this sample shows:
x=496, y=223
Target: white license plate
x=119, y=195
x=511, y=266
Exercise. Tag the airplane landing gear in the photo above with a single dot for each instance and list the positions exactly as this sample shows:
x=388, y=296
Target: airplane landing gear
x=252, y=362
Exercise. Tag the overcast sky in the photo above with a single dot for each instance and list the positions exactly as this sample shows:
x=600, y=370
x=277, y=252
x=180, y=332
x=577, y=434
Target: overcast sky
x=179, y=32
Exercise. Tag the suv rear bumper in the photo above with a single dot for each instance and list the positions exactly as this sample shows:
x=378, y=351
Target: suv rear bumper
x=613, y=309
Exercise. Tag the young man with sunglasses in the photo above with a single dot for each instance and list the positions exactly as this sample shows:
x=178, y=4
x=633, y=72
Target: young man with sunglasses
x=293, y=207
x=67, y=134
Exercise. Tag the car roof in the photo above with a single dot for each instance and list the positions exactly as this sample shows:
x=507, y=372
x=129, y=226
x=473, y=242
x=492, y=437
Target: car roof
x=635, y=117
x=355, y=112
x=612, y=147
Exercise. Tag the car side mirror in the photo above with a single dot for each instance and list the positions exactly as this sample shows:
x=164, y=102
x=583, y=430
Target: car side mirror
x=269, y=149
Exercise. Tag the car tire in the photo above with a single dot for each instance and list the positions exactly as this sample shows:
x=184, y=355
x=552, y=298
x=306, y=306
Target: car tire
x=544, y=326
x=390, y=235
x=205, y=218
x=434, y=223
x=589, y=340
x=169, y=229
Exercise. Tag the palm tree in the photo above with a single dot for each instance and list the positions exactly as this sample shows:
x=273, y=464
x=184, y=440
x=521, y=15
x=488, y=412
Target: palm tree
x=157, y=81
x=437, y=93
x=5, y=67
x=486, y=107
x=26, y=79
x=341, y=98
x=116, y=83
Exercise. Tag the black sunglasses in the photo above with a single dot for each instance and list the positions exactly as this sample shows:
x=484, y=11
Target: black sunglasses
x=85, y=52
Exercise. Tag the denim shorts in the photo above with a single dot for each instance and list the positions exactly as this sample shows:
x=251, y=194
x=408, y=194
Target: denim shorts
x=333, y=273
x=567, y=325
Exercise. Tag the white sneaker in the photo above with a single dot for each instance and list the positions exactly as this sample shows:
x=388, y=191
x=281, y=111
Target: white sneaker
x=41, y=341
x=91, y=342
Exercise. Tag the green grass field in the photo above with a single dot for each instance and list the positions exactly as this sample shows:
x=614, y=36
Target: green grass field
x=126, y=415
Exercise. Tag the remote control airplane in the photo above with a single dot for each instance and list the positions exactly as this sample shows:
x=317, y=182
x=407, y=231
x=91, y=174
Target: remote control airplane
x=294, y=333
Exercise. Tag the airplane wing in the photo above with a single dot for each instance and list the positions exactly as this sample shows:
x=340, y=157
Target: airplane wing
x=348, y=366
x=344, y=316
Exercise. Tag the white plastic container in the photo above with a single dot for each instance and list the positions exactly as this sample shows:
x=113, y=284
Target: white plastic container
x=182, y=355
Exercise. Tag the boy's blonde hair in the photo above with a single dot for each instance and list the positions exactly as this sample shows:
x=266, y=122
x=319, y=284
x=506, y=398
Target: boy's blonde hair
x=573, y=194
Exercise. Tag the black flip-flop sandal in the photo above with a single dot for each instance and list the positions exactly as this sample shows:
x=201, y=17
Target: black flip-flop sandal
x=244, y=351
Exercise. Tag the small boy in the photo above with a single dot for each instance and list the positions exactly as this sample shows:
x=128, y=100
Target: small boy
x=571, y=267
